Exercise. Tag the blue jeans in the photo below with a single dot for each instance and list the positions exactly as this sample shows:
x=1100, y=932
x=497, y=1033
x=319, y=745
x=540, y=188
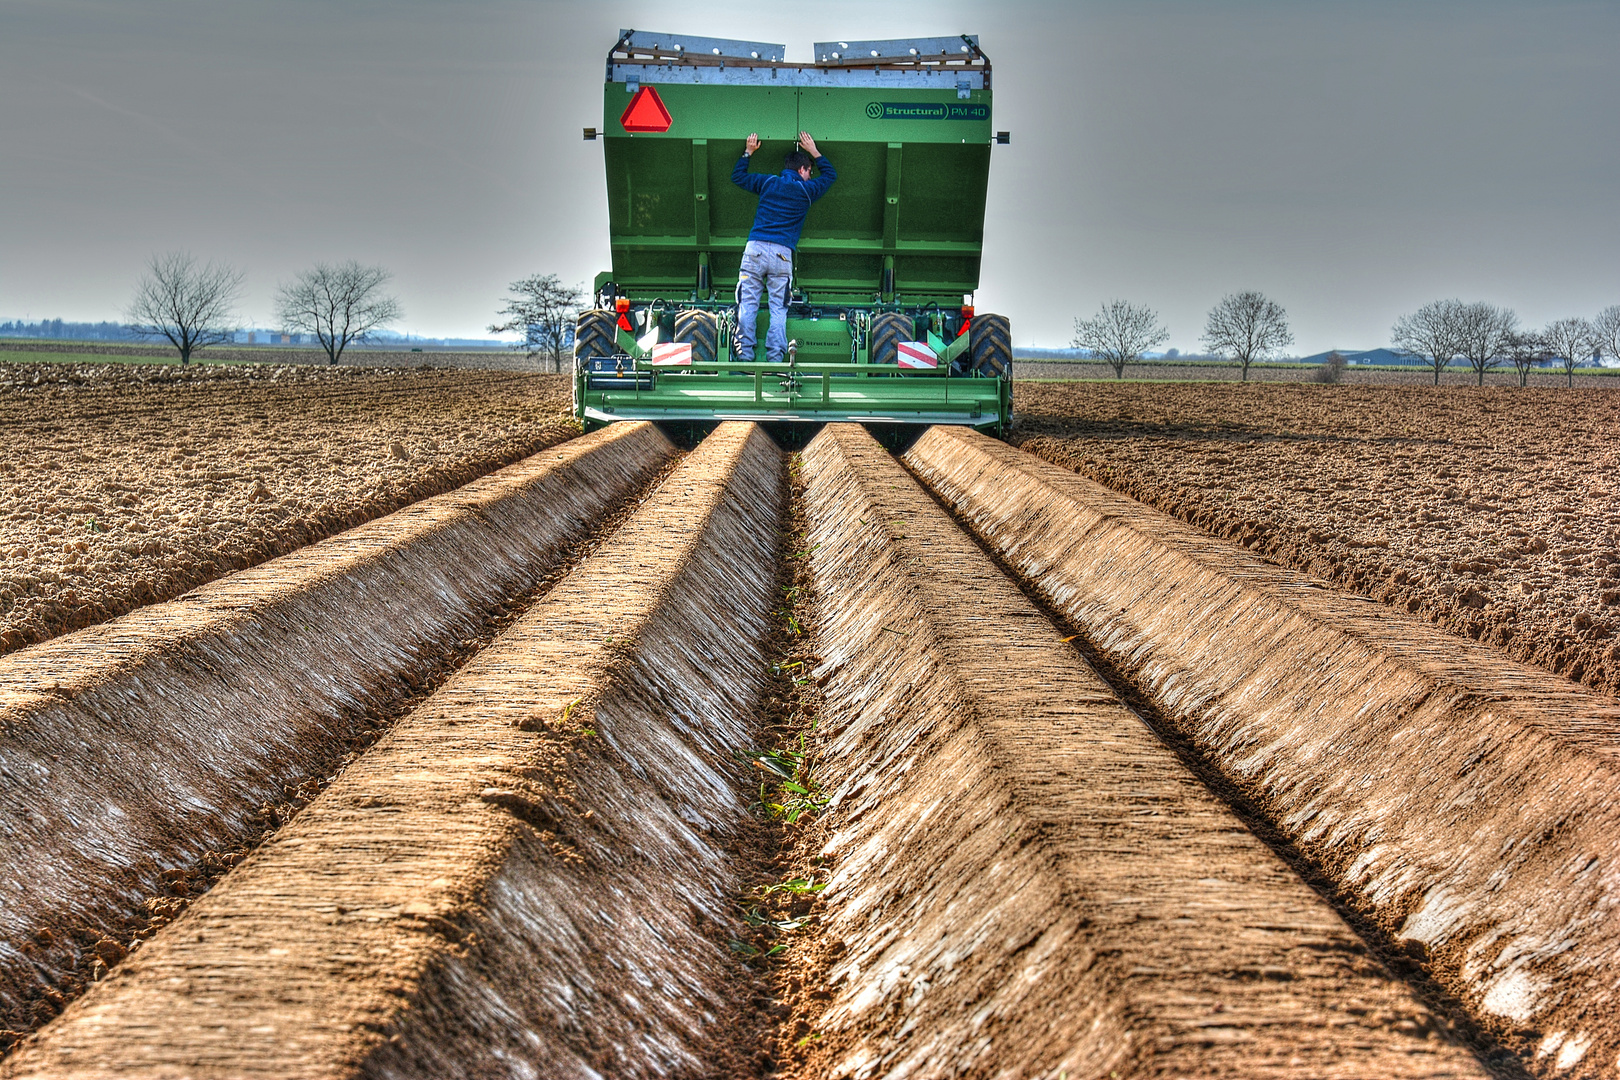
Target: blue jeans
x=767, y=268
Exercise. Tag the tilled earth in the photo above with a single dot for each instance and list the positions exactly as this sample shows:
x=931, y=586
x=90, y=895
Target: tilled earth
x=1334, y=479
x=121, y=485
x=303, y=355
x=1358, y=375
x=1492, y=512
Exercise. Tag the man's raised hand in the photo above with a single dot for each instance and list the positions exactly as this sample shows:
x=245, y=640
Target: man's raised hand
x=753, y=143
x=809, y=144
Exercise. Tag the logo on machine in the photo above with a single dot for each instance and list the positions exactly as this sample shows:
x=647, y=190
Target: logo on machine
x=925, y=110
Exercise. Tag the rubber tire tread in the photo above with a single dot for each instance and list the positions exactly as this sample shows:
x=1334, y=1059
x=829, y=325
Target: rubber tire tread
x=702, y=330
x=596, y=333
x=889, y=329
x=990, y=345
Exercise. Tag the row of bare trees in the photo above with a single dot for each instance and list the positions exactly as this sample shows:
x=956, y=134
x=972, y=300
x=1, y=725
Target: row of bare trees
x=1488, y=336
x=1245, y=327
x=193, y=305
x=1248, y=326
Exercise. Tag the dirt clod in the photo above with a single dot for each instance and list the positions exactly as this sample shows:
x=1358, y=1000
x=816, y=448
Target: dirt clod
x=110, y=951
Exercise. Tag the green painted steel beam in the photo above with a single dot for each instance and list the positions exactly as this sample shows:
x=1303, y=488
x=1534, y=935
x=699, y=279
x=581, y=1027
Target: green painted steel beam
x=891, y=199
x=812, y=393
x=700, y=189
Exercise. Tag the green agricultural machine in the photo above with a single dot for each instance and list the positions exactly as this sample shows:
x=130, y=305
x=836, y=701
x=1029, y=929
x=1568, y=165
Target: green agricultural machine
x=881, y=325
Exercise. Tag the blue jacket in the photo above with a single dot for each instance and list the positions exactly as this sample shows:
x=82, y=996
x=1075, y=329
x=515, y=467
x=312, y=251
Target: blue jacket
x=783, y=200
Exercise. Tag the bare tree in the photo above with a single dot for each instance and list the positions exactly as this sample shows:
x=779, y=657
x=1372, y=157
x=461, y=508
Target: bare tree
x=1430, y=333
x=543, y=310
x=190, y=305
x=1247, y=327
x=1572, y=342
x=1524, y=350
x=1606, y=328
x=340, y=304
x=1331, y=369
x=1120, y=334
x=1483, y=331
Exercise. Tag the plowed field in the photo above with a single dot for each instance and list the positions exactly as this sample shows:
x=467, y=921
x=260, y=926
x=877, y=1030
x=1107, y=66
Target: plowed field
x=121, y=485
x=1491, y=512
x=955, y=763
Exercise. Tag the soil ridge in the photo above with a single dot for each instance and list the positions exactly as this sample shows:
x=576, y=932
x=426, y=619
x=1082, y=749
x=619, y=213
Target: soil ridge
x=531, y=871
x=1457, y=798
x=1028, y=882
x=135, y=747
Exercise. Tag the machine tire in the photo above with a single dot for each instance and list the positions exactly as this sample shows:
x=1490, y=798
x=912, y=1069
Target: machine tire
x=889, y=329
x=702, y=330
x=990, y=345
x=596, y=333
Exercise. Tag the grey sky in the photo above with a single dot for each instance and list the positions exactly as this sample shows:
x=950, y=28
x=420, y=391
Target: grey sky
x=1353, y=159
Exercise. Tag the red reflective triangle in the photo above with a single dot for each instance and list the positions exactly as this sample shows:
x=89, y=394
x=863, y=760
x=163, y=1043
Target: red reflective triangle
x=646, y=112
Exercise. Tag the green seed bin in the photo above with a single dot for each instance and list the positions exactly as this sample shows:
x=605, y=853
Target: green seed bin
x=888, y=258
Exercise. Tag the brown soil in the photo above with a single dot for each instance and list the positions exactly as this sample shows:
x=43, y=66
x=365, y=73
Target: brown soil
x=1028, y=883
x=1371, y=375
x=1460, y=801
x=121, y=485
x=534, y=873
x=354, y=356
x=1490, y=512
x=146, y=754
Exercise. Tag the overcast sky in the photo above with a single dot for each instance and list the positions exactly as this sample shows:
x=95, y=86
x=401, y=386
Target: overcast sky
x=1351, y=158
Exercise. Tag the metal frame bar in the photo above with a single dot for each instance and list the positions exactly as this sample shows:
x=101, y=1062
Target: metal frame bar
x=700, y=186
x=677, y=58
x=891, y=77
x=961, y=48
x=696, y=49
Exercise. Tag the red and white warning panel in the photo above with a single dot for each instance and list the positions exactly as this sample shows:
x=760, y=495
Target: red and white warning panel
x=916, y=354
x=672, y=354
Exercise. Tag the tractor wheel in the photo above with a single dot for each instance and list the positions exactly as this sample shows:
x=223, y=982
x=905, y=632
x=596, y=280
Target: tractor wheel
x=702, y=330
x=596, y=334
x=889, y=329
x=990, y=345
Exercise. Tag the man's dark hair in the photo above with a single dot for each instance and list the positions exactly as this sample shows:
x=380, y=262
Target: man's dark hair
x=797, y=159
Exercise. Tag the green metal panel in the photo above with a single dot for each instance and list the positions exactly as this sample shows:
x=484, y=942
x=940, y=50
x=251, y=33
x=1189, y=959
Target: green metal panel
x=913, y=189
x=702, y=111
x=826, y=340
x=819, y=339
x=913, y=167
x=657, y=222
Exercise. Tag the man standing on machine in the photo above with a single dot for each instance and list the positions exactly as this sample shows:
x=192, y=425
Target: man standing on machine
x=767, y=262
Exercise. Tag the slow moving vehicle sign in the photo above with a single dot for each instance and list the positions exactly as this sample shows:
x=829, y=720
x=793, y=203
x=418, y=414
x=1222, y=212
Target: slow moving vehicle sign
x=646, y=113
